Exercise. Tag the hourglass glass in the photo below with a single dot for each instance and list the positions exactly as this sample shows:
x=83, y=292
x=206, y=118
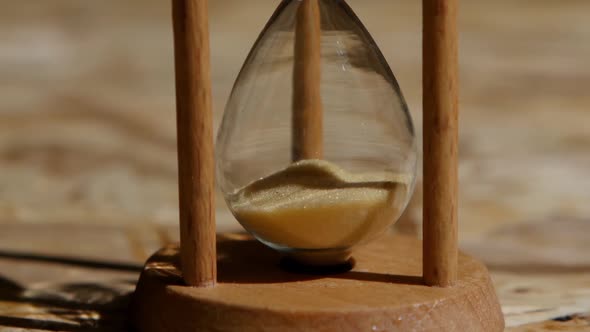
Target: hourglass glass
x=316, y=152
x=316, y=158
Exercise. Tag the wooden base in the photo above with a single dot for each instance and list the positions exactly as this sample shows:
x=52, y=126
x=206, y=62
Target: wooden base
x=383, y=292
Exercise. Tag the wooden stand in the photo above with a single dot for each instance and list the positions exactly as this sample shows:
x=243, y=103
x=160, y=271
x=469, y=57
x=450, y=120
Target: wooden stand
x=254, y=293
x=392, y=287
x=307, y=131
x=194, y=122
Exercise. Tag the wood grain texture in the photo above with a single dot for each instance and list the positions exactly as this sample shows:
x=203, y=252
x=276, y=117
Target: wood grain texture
x=573, y=323
x=440, y=102
x=383, y=292
x=195, y=142
x=307, y=101
x=112, y=92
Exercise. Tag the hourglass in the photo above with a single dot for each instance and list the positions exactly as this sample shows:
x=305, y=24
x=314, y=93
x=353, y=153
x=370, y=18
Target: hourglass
x=316, y=158
x=316, y=152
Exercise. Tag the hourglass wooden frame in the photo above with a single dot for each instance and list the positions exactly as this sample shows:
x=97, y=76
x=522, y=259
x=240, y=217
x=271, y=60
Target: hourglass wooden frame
x=229, y=282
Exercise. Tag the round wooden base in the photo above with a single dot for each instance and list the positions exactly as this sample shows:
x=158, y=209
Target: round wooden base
x=383, y=292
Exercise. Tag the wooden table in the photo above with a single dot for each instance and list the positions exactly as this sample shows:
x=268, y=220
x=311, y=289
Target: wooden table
x=88, y=165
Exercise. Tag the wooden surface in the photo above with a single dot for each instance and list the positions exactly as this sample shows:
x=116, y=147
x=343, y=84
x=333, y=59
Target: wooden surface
x=307, y=100
x=196, y=163
x=381, y=293
x=87, y=137
x=45, y=286
x=440, y=140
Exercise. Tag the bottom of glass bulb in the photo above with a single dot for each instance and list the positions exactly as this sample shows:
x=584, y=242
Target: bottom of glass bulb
x=312, y=258
x=314, y=208
x=320, y=258
x=325, y=266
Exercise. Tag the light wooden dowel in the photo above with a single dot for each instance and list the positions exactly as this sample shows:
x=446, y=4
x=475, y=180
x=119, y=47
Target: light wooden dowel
x=307, y=103
x=195, y=142
x=440, y=102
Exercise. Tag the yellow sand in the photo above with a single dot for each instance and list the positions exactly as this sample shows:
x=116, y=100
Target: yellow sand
x=314, y=204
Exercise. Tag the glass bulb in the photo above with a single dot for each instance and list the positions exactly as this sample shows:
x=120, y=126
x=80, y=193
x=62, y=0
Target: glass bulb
x=316, y=152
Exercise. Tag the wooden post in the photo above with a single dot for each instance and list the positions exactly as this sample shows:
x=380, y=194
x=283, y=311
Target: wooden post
x=196, y=173
x=307, y=101
x=440, y=102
